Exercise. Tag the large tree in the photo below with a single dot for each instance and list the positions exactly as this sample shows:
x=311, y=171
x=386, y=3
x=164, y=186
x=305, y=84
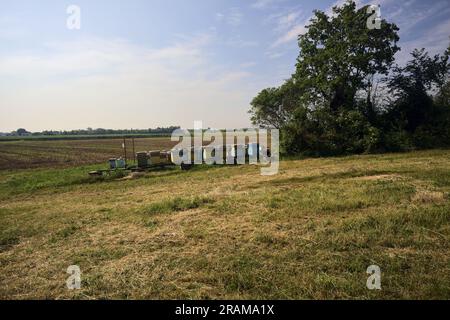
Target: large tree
x=339, y=55
x=318, y=108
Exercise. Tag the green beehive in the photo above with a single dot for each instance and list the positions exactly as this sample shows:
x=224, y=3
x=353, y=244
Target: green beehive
x=121, y=163
x=142, y=159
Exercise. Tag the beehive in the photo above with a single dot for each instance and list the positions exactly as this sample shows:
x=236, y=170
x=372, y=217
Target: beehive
x=112, y=163
x=240, y=153
x=180, y=153
x=197, y=155
x=154, y=157
x=230, y=154
x=164, y=157
x=209, y=154
x=253, y=151
x=142, y=159
x=121, y=163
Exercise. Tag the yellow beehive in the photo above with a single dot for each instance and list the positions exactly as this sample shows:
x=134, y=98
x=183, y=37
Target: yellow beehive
x=154, y=157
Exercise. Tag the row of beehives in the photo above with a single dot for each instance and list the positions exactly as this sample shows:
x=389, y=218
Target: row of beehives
x=145, y=159
x=207, y=154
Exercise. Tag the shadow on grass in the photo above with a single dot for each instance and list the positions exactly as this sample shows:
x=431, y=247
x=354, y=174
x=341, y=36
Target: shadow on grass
x=178, y=204
x=328, y=176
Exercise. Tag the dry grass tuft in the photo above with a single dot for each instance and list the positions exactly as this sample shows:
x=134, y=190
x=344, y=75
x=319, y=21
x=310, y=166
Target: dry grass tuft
x=426, y=196
x=133, y=175
x=381, y=177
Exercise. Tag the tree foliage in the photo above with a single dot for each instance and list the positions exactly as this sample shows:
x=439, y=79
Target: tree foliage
x=329, y=104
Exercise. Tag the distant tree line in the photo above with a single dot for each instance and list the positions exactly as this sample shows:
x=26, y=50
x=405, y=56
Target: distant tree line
x=95, y=132
x=347, y=95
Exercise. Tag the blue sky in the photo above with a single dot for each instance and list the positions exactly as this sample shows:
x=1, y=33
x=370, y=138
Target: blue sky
x=141, y=64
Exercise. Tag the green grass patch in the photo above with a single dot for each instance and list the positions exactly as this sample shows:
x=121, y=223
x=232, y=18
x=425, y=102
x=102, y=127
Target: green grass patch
x=178, y=204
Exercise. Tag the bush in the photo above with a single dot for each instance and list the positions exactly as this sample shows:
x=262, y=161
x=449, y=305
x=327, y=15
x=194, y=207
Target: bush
x=397, y=141
x=322, y=133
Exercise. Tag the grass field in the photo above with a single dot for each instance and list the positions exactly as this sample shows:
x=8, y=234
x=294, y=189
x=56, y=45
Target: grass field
x=227, y=232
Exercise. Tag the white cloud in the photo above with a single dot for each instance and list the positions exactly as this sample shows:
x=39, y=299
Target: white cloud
x=220, y=16
x=291, y=34
x=405, y=18
x=261, y=4
x=275, y=55
x=249, y=64
x=297, y=28
x=408, y=18
x=435, y=41
x=77, y=84
x=232, y=17
x=290, y=18
x=287, y=24
x=239, y=42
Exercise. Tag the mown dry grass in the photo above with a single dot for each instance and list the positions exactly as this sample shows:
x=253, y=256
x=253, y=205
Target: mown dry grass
x=227, y=232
